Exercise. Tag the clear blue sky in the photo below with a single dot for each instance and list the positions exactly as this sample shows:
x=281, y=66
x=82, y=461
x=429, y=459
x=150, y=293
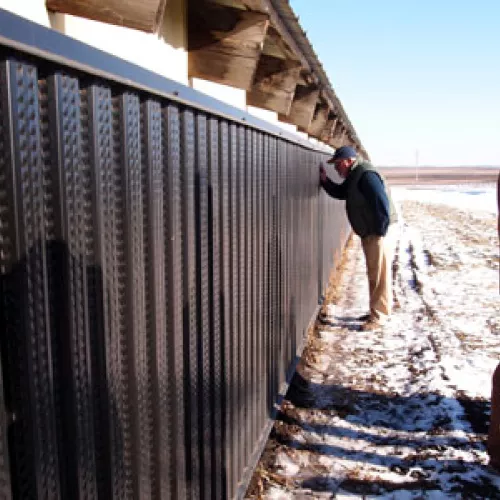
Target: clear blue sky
x=413, y=75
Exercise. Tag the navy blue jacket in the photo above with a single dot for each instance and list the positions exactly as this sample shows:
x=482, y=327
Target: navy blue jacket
x=372, y=188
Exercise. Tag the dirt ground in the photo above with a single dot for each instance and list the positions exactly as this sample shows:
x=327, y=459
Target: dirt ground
x=432, y=176
x=403, y=412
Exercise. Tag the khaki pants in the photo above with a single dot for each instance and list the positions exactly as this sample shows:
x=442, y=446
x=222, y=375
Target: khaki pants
x=379, y=252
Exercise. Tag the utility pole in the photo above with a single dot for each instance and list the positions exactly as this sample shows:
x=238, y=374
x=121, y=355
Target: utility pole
x=416, y=165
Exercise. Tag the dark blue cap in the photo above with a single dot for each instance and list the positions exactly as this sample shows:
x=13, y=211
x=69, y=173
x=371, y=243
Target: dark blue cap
x=342, y=153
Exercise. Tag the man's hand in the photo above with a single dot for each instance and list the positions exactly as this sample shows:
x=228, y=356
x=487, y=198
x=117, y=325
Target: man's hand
x=322, y=173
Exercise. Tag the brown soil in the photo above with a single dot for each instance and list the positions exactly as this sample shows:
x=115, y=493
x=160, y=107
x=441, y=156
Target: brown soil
x=426, y=176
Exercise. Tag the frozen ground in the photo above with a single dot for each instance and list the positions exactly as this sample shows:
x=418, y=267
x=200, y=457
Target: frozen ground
x=401, y=413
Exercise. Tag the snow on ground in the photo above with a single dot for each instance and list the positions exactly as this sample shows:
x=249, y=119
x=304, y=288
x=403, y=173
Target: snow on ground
x=401, y=413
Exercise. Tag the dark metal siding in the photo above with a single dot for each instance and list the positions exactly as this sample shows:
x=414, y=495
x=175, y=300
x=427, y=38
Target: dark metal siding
x=160, y=264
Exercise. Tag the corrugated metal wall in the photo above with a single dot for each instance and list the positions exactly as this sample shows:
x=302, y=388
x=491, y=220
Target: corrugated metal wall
x=159, y=268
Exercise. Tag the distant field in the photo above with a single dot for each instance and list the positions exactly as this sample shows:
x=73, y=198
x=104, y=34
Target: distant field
x=439, y=175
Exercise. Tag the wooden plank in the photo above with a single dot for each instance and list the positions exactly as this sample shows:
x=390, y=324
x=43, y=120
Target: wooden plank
x=308, y=79
x=337, y=131
x=256, y=5
x=302, y=81
x=274, y=84
x=275, y=46
x=329, y=128
x=288, y=37
x=253, y=5
x=338, y=136
x=302, y=109
x=225, y=44
x=319, y=120
x=144, y=15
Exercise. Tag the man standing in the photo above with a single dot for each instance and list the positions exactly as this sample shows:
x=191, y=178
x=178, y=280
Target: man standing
x=372, y=215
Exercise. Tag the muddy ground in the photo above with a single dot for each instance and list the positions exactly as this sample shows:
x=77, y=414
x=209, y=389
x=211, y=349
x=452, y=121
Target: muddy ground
x=403, y=412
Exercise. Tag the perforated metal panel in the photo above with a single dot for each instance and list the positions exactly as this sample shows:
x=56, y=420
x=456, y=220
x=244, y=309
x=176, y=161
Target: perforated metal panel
x=25, y=298
x=172, y=245
x=227, y=428
x=204, y=298
x=8, y=317
x=190, y=308
x=159, y=392
x=234, y=332
x=160, y=262
x=67, y=221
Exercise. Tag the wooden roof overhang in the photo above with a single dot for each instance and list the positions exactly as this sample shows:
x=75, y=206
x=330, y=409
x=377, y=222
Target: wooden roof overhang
x=254, y=45
x=277, y=75
x=144, y=15
x=225, y=43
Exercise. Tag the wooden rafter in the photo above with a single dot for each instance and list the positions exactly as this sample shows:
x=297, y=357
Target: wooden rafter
x=319, y=120
x=253, y=5
x=329, y=128
x=275, y=46
x=145, y=15
x=274, y=84
x=338, y=136
x=256, y=5
x=303, y=106
x=225, y=44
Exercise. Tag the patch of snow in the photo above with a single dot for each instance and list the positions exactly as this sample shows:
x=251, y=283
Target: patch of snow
x=402, y=412
x=466, y=197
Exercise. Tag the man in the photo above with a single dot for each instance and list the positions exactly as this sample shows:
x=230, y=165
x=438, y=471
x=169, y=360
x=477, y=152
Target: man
x=372, y=216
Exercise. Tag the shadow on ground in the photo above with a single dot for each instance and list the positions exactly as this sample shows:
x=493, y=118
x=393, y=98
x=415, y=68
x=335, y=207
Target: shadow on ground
x=422, y=465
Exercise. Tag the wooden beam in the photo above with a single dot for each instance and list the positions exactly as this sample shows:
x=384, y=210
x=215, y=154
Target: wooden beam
x=308, y=79
x=319, y=120
x=351, y=140
x=225, y=44
x=327, y=132
x=274, y=84
x=256, y=5
x=289, y=38
x=339, y=128
x=338, y=137
x=253, y=5
x=275, y=46
x=144, y=15
x=303, y=106
x=302, y=81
